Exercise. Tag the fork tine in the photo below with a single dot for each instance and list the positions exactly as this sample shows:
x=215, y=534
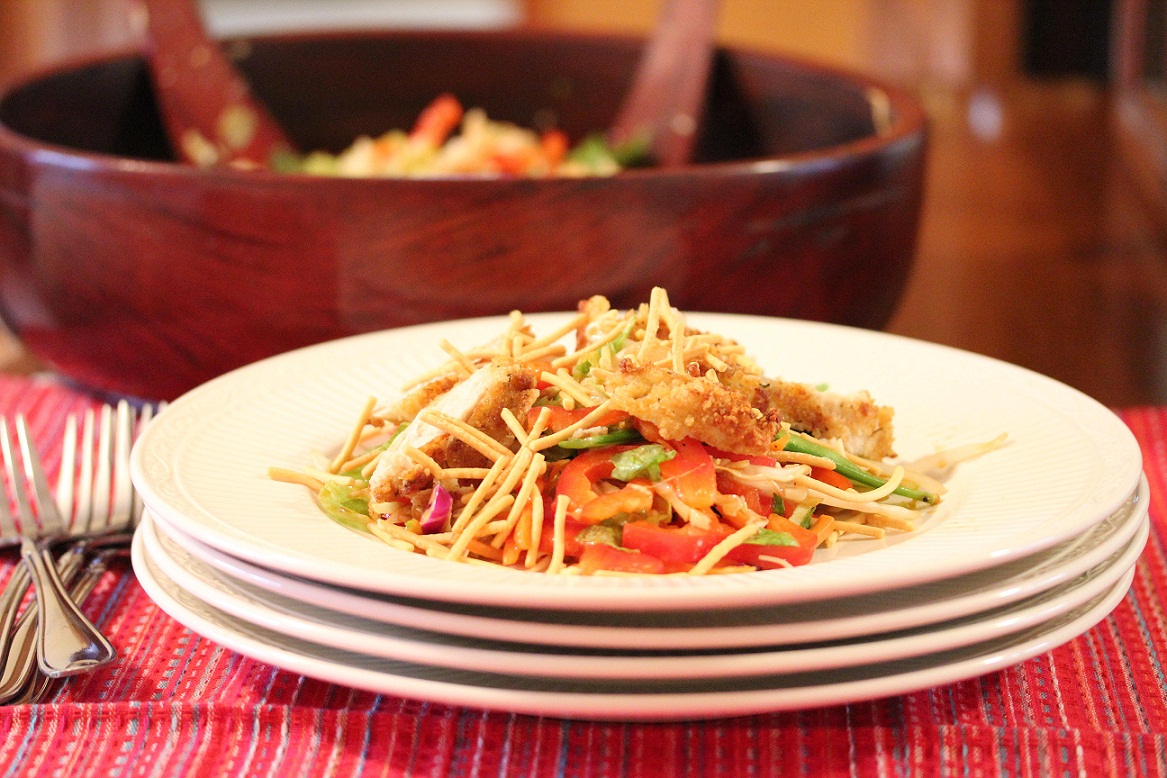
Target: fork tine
x=101, y=478
x=15, y=482
x=34, y=471
x=123, y=497
x=8, y=528
x=67, y=474
x=84, y=517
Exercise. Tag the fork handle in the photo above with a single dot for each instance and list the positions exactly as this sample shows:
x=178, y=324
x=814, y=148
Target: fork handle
x=10, y=600
x=20, y=662
x=67, y=642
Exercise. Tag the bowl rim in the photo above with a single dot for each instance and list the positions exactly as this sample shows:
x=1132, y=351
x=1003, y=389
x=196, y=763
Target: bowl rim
x=906, y=120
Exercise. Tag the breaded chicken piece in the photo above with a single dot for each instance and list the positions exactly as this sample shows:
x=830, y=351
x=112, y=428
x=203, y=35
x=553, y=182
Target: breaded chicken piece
x=678, y=402
x=479, y=401
x=517, y=392
x=682, y=405
x=863, y=427
x=416, y=400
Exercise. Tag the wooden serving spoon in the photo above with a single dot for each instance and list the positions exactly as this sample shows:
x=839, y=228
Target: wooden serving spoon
x=664, y=105
x=213, y=119
x=210, y=114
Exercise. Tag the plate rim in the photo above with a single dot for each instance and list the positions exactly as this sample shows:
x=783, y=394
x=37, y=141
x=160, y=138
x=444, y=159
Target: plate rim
x=580, y=593
x=637, y=707
x=552, y=633
x=546, y=661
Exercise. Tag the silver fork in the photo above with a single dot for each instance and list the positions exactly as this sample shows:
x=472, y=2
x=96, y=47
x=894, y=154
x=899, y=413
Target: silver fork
x=19, y=581
x=48, y=526
x=84, y=494
x=67, y=641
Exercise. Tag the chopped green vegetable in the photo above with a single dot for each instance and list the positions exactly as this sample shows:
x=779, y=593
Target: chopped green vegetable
x=850, y=470
x=769, y=537
x=620, y=519
x=803, y=515
x=641, y=461
x=584, y=366
x=356, y=471
x=557, y=454
x=612, y=438
x=777, y=504
x=286, y=162
x=595, y=152
x=618, y=343
x=338, y=502
x=600, y=533
x=634, y=152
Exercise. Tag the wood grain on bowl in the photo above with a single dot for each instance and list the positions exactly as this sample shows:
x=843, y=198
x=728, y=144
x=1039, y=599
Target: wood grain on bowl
x=133, y=273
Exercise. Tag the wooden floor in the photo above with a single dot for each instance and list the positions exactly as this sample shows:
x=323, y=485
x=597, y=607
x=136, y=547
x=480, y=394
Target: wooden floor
x=1033, y=246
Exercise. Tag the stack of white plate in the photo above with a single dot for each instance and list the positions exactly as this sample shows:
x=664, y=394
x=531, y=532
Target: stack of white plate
x=1032, y=545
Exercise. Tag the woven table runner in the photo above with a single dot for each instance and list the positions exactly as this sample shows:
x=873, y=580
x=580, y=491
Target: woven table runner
x=176, y=704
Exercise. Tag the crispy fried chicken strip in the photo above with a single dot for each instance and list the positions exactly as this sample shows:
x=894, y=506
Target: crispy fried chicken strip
x=681, y=405
x=416, y=400
x=479, y=401
x=863, y=427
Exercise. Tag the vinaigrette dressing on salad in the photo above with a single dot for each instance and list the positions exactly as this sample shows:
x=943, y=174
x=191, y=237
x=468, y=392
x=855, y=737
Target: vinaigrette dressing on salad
x=645, y=448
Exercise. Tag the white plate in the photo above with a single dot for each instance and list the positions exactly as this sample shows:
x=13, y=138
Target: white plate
x=646, y=700
x=340, y=630
x=201, y=467
x=899, y=609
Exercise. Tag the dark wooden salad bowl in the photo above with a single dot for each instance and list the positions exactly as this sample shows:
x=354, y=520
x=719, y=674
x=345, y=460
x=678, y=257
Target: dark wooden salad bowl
x=134, y=274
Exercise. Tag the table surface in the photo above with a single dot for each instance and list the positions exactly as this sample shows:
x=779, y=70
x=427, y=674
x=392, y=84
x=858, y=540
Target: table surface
x=175, y=703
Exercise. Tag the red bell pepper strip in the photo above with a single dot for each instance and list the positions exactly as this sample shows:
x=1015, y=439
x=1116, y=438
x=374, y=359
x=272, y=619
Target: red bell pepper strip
x=571, y=546
x=438, y=120
x=764, y=556
x=690, y=474
x=685, y=545
x=831, y=478
x=514, y=162
x=578, y=479
x=601, y=556
x=757, y=500
x=555, y=146
x=801, y=554
x=562, y=417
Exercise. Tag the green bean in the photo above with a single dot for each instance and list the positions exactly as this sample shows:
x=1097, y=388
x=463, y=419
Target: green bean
x=852, y=472
x=612, y=438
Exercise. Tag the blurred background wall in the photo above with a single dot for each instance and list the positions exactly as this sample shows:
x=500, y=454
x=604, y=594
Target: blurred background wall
x=911, y=40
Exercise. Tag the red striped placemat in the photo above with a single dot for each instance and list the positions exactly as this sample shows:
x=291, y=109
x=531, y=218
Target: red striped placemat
x=176, y=704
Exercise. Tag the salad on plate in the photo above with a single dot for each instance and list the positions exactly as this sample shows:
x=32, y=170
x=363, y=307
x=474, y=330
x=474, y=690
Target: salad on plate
x=625, y=442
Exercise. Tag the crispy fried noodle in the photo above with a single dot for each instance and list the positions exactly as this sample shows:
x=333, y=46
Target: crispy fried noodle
x=624, y=443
